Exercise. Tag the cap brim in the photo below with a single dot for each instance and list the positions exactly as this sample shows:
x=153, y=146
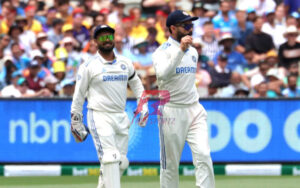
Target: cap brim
x=104, y=29
x=189, y=19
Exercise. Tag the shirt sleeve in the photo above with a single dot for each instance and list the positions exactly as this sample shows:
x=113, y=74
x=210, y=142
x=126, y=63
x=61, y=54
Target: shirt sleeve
x=82, y=84
x=134, y=82
x=165, y=62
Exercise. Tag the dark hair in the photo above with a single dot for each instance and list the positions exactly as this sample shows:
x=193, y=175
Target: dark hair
x=4, y=1
x=14, y=44
x=257, y=18
x=62, y=2
x=152, y=31
x=208, y=23
x=292, y=75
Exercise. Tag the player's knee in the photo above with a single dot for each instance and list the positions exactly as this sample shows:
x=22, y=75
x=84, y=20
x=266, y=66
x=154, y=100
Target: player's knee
x=110, y=156
x=201, y=158
x=124, y=163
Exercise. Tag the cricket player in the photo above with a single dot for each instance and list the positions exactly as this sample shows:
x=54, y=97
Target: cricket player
x=182, y=118
x=103, y=79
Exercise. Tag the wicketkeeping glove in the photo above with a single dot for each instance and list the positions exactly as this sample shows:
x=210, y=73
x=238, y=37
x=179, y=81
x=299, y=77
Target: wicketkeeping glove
x=144, y=114
x=79, y=131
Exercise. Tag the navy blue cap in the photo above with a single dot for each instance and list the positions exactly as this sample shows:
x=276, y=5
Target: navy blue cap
x=101, y=28
x=223, y=56
x=179, y=16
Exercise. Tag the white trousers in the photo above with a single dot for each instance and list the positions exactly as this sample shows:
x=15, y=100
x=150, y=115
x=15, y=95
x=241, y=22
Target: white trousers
x=110, y=136
x=178, y=124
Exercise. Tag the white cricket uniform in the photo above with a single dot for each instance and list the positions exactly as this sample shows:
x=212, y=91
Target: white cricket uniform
x=182, y=118
x=104, y=84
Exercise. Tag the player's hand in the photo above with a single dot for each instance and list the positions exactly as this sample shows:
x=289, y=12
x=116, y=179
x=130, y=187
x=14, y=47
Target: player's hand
x=78, y=130
x=185, y=42
x=144, y=115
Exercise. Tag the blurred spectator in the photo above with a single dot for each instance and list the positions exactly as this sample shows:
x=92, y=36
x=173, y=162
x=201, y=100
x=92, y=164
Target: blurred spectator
x=120, y=50
x=117, y=14
x=203, y=78
x=290, y=50
x=59, y=70
x=51, y=83
x=64, y=10
x=27, y=38
x=149, y=7
x=255, y=76
x=92, y=51
x=99, y=19
x=220, y=74
x=259, y=41
x=274, y=30
x=275, y=83
x=153, y=44
x=291, y=6
x=6, y=6
x=33, y=79
x=234, y=87
x=273, y=61
x=55, y=33
x=20, y=60
x=143, y=59
x=138, y=30
x=199, y=11
x=242, y=31
x=290, y=20
x=251, y=14
x=261, y=90
x=68, y=88
x=32, y=24
x=236, y=61
x=293, y=70
x=261, y=6
x=224, y=21
x=202, y=59
x=160, y=26
x=8, y=18
x=67, y=30
x=87, y=6
x=293, y=90
x=80, y=32
x=4, y=44
x=6, y=69
x=40, y=38
x=50, y=17
x=280, y=17
x=210, y=43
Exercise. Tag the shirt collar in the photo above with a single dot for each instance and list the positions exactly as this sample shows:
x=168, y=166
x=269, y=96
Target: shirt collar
x=104, y=61
x=173, y=41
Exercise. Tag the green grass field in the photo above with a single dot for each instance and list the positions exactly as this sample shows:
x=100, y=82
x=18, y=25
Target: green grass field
x=149, y=182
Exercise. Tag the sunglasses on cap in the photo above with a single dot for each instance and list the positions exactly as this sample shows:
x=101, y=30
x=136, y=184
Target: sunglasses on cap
x=105, y=37
x=187, y=27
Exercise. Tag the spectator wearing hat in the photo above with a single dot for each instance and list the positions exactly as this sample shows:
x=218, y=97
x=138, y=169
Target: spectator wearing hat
x=80, y=32
x=290, y=50
x=236, y=60
x=50, y=17
x=33, y=79
x=8, y=18
x=261, y=90
x=199, y=11
x=59, y=70
x=40, y=38
x=52, y=84
x=55, y=33
x=67, y=30
x=275, y=83
x=293, y=90
x=251, y=14
x=273, y=61
x=143, y=58
x=210, y=44
x=220, y=74
x=224, y=21
x=243, y=29
x=274, y=30
x=32, y=24
x=68, y=88
x=259, y=41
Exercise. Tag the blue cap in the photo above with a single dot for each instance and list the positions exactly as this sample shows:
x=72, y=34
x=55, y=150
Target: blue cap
x=271, y=11
x=101, y=28
x=179, y=16
x=16, y=73
x=67, y=82
x=21, y=81
x=295, y=15
x=250, y=10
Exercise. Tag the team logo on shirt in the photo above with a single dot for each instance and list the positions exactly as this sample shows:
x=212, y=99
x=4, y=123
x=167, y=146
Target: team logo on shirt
x=194, y=59
x=123, y=67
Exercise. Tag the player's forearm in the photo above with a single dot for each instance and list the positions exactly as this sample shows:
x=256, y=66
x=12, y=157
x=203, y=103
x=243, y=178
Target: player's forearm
x=136, y=86
x=165, y=65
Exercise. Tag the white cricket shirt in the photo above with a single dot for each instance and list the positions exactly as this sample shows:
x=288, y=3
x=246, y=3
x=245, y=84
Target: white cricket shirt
x=176, y=72
x=104, y=84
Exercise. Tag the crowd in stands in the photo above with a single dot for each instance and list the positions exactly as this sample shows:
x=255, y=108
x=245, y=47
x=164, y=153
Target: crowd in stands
x=247, y=48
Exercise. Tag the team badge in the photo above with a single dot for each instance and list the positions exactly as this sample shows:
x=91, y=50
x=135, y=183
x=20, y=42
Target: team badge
x=194, y=59
x=185, y=13
x=123, y=67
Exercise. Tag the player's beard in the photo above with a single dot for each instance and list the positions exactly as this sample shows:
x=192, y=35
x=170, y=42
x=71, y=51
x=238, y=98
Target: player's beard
x=105, y=49
x=181, y=35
